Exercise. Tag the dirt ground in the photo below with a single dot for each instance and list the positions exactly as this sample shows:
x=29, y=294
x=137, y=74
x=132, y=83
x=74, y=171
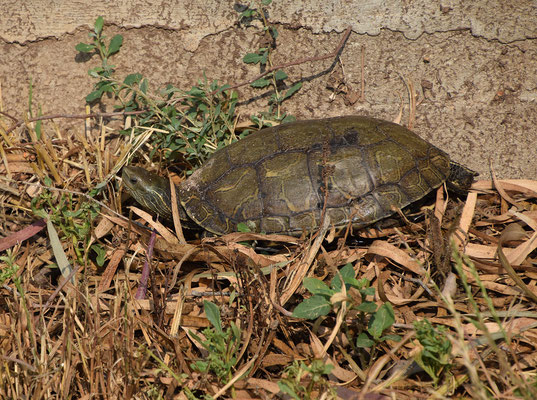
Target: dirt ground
x=477, y=97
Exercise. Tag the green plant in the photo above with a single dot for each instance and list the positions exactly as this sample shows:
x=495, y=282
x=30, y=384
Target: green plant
x=221, y=344
x=38, y=124
x=105, y=72
x=298, y=372
x=11, y=267
x=101, y=254
x=185, y=125
x=74, y=218
x=275, y=78
x=196, y=122
x=372, y=321
x=436, y=354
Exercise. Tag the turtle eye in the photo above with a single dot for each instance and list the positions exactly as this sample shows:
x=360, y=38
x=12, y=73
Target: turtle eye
x=134, y=180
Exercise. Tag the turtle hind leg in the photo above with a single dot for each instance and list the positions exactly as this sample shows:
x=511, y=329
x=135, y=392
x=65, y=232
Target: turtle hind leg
x=460, y=178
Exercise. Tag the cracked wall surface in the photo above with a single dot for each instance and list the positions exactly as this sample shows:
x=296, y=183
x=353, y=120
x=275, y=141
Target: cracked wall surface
x=473, y=64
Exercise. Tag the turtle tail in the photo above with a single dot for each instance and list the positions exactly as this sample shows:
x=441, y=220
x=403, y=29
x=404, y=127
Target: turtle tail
x=460, y=178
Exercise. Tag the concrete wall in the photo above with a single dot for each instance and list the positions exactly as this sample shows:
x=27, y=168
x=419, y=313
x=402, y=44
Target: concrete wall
x=473, y=63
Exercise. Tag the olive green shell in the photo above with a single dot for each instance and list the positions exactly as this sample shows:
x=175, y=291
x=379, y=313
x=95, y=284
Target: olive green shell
x=274, y=180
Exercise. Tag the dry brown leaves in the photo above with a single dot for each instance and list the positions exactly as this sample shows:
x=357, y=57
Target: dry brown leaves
x=94, y=337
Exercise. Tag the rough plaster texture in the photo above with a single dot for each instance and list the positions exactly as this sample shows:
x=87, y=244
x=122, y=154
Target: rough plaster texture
x=474, y=64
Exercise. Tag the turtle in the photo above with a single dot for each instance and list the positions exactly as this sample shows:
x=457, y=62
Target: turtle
x=355, y=170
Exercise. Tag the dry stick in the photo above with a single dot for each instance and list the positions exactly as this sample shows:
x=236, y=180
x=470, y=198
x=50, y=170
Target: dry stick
x=342, y=313
x=414, y=280
x=250, y=330
x=9, y=116
x=175, y=213
x=142, y=288
x=411, y=100
x=59, y=288
x=74, y=116
x=335, y=53
x=497, y=185
x=362, y=95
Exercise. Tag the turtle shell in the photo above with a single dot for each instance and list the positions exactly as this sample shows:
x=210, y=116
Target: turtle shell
x=278, y=180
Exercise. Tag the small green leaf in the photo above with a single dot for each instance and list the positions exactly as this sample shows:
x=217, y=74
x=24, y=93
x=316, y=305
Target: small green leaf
x=223, y=88
x=353, y=282
x=143, y=86
x=232, y=297
x=394, y=338
x=243, y=227
x=364, y=283
x=38, y=127
x=236, y=331
x=200, y=366
x=261, y=83
x=288, y=118
x=264, y=56
x=131, y=79
x=280, y=75
x=285, y=388
x=115, y=44
x=99, y=22
x=363, y=341
x=292, y=90
x=346, y=272
x=213, y=314
x=248, y=13
x=367, y=307
x=95, y=72
x=96, y=94
x=196, y=92
x=316, y=286
x=73, y=214
x=252, y=58
x=381, y=320
x=98, y=187
x=84, y=47
x=38, y=211
x=266, y=2
x=312, y=308
x=101, y=254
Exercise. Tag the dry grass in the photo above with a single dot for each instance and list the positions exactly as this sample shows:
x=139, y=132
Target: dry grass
x=81, y=332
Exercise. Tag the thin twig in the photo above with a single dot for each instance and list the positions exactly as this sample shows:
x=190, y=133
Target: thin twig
x=335, y=53
x=142, y=288
x=73, y=116
x=59, y=288
x=9, y=116
x=362, y=94
x=414, y=280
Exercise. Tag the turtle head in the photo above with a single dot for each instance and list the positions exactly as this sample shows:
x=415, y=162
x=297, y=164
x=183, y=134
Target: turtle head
x=150, y=190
